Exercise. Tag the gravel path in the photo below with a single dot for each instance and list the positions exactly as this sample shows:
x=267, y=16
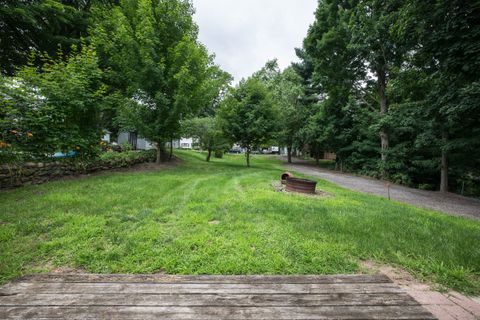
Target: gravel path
x=449, y=203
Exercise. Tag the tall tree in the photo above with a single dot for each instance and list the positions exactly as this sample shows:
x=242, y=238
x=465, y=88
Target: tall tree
x=248, y=115
x=444, y=36
x=335, y=72
x=286, y=89
x=154, y=58
x=380, y=52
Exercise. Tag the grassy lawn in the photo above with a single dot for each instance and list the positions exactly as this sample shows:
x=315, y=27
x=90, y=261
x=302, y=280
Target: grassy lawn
x=223, y=218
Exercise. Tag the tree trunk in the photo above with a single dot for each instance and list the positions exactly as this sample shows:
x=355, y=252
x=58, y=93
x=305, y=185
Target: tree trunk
x=171, y=149
x=289, y=154
x=444, y=167
x=317, y=158
x=247, y=154
x=209, y=155
x=161, y=153
x=382, y=85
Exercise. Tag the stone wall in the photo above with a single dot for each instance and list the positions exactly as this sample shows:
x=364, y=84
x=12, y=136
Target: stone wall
x=12, y=176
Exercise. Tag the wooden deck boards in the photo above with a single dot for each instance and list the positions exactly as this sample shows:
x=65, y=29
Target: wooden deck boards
x=206, y=297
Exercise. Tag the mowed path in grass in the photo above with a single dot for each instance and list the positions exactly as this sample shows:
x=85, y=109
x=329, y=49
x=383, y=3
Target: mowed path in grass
x=224, y=218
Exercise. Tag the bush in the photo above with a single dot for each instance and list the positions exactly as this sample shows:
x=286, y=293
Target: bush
x=57, y=109
x=128, y=158
x=426, y=186
x=126, y=146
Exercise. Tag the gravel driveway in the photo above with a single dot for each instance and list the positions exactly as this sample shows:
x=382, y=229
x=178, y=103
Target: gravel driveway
x=449, y=203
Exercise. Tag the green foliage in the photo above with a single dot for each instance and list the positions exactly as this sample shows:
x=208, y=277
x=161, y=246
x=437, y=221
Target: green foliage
x=286, y=89
x=216, y=88
x=248, y=115
x=41, y=26
x=126, y=158
x=126, y=146
x=57, y=109
x=396, y=79
x=153, y=58
x=208, y=133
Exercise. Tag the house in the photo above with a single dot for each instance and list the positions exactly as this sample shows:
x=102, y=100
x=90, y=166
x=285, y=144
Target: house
x=184, y=143
x=137, y=143
x=106, y=136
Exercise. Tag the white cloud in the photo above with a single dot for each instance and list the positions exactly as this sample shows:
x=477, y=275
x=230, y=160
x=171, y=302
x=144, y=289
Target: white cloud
x=244, y=34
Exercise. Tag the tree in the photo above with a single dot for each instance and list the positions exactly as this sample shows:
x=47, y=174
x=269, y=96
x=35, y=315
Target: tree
x=151, y=51
x=248, y=115
x=330, y=70
x=286, y=90
x=41, y=26
x=405, y=70
x=207, y=132
x=380, y=53
x=217, y=86
x=444, y=38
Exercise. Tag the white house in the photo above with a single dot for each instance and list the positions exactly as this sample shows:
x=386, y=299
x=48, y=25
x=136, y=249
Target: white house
x=106, y=136
x=184, y=143
x=136, y=142
x=139, y=143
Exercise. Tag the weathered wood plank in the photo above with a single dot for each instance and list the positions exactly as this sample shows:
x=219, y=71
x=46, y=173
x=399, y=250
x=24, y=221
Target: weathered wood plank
x=207, y=297
x=211, y=300
x=198, y=288
x=149, y=278
x=211, y=313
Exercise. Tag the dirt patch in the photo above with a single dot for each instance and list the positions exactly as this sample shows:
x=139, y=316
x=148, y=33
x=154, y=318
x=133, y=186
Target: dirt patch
x=449, y=305
x=141, y=167
x=214, y=222
x=279, y=187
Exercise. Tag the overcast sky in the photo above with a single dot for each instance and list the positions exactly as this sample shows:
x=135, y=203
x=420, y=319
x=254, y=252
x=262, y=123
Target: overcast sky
x=244, y=34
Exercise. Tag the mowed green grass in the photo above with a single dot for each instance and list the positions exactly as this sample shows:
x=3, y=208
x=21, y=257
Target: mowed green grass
x=224, y=218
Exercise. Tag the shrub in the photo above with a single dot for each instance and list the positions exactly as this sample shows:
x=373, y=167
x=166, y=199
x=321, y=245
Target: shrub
x=57, y=109
x=126, y=146
x=128, y=158
x=426, y=186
